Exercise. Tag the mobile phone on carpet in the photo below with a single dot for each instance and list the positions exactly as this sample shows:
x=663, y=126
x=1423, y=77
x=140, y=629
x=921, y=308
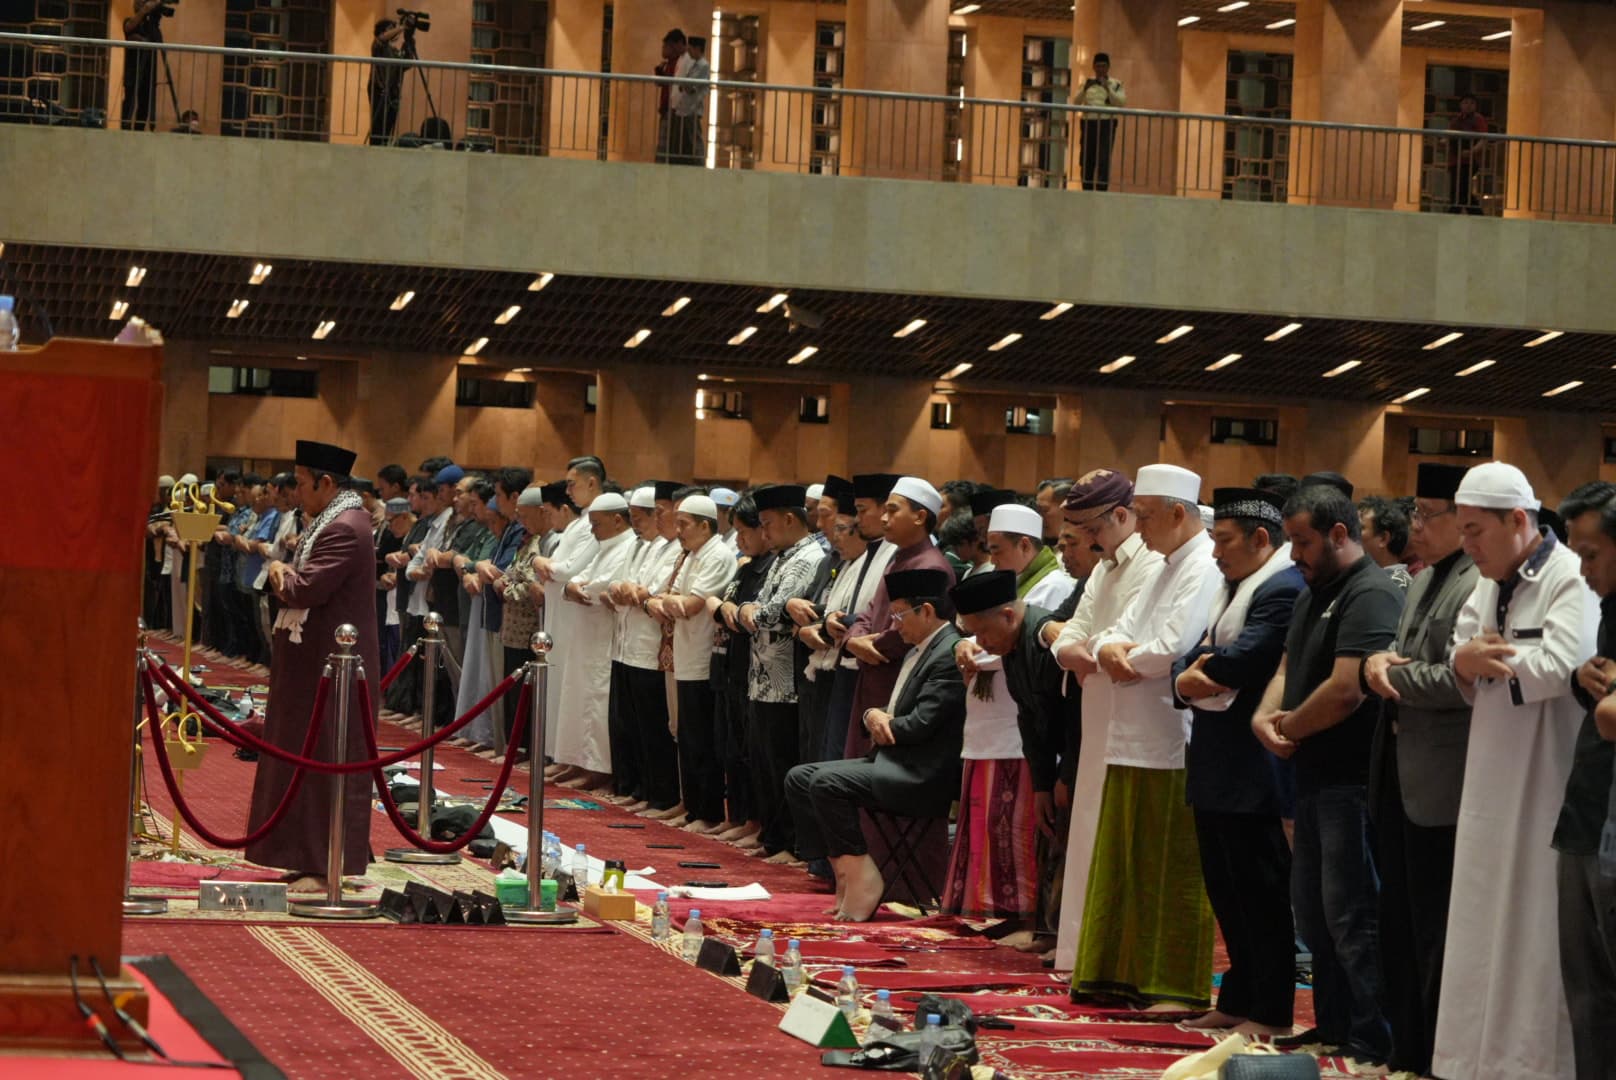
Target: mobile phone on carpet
x=625, y=825
x=667, y=847
x=691, y=865
x=706, y=884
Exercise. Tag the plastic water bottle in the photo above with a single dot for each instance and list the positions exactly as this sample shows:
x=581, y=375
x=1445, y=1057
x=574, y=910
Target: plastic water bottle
x=764, y=952
x=847, y=992
x=931, y=1036
x=883, y=1006
x=661, y=919
x=693, y=934
x=580, y=869
x=8, y=324
x=791, y=965
x=552, y=855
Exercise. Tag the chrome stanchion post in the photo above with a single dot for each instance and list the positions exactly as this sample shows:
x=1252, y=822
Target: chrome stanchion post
x=345, y=662
x=538, y=671
x=131, y=905
x=431, y=657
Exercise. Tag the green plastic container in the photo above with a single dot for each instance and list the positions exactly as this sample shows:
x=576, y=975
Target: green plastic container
x=511, y=893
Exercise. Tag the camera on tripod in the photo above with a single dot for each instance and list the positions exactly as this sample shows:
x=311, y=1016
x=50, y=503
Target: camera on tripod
x=415, y=20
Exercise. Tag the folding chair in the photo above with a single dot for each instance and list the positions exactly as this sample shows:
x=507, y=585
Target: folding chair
x=903, y=837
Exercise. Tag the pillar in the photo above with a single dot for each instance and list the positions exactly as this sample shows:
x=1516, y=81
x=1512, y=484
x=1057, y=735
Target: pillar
x=1141, y=37
x=573, y=42
x=1115, y=429
x=1555, y=457
x=1348, y=70
x=1562, y=84
x=645, y=421
x=899, y=46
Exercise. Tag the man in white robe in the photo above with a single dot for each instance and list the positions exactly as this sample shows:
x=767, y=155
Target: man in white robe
x=574, y=551
x=1015, y=543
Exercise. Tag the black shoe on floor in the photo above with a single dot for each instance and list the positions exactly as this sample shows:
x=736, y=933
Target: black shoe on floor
x=1311, y=1037
x=246, y=755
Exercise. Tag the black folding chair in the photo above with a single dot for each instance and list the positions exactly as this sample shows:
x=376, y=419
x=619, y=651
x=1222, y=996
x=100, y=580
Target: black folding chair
x=903, y=837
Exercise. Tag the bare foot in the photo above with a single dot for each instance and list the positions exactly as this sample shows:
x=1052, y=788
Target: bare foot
x=864, y=889
x=1214, y=1020
x=781, y=858
x=308, y=884
x=552, y=772
x=1038, y=943
x=1251, y=1028
x=675, y=811
x=637, y=806
x=1016, y=940
x=699, y=826
x=1163, y=1007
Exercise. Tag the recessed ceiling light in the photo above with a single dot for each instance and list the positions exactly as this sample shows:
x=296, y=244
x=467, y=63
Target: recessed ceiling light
x=476, y=346
x=1495, y=37
x=773, y=302
x=540, y=282
x=1543, y=338
x=137, y=274
x=1280, y=25
x=639, y=336
x=1443, y=340
x=402, y=300
x=1284, y=331
x=1432, y=25
x=323, y=331
x=910, y=327
x=1342, y=369
x=1479, y=365
x=958, y=369
x=520, y=370
x=968, y=9
x=745, y=332
x=676, y=307
x=508, y=314
x=236, y=308
x=1186, y=20
x=1411, y=395
x=1116, y=365
x=260, y=272
x=2, y=247
x=1236, y=6
x=807, y=351
x=1219, y=365
x=1562, y=388
x=120, y=308
x=1057, y=311
x=1174, y=335
x=1004, y=342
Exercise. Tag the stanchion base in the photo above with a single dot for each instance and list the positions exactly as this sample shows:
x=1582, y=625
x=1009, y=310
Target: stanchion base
x=342, y=909
x=145, y=907
x=534, y=917
x=416, y=855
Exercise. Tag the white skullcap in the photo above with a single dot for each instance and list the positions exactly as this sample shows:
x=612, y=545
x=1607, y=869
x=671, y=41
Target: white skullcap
x=533, y=496
x=643, y=498
x=816, y=491
x=1168, y=482
x=919, y=492
x=1208, y=515
x=1018, y=519
x=1496, y=486
x=699, y=506
x=722, y=496
x=188, y=478
x=165, y=481
x=608, y=503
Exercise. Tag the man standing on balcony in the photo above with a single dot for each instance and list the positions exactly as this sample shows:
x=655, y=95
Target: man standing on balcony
x=688, y=101
x=1467, y=153
x=140, y=66
x=1100, y=132
x=386, y=81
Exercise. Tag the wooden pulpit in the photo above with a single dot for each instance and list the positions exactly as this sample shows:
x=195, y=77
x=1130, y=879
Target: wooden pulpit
x=78, y=439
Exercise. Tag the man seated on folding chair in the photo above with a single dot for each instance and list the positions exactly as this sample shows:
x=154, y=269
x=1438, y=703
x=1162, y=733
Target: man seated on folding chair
x=914, y=769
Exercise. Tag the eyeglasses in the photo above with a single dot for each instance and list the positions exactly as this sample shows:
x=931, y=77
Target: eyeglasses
x=899, y=616
x=1420, y=517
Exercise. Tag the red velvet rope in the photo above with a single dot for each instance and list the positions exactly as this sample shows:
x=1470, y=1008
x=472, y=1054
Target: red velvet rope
x=438, y=847
x=160, y=744
x=170, y=681
x=398, y=668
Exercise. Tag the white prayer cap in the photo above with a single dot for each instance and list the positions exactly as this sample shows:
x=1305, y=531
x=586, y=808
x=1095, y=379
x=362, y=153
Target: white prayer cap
x=644, y=498
x=608, y=503
x=816, y=491
x=1496, y=486
x=165, y=481
x=1015, y=518
x=188, y=478
x=1168, y=482
x=919, y=492
x=699, y=506
x=1208, y=515
x=723, y=496
x=533, y=496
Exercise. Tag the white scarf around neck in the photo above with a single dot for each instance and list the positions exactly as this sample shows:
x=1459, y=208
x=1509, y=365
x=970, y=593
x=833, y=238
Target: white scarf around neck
x=292, y=619
x=1229, y=616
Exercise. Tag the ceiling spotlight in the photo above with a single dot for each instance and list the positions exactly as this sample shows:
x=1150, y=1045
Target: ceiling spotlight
x=137, y=274
x=910, y=327
x=476, y=347
x=676, y=307
x=1443, y=340
x=1004, y=342
x=805, y=353
x=236, y=308
x=1219, y=365
x=120, y=308
x=638, y=338
x=540, y=282
x=1562, y=388
x=1284, y=331
x=1173, y=335
x=1186, y=20
x=260, y=272
x=323, y=331
x=1056, y=312
x=772, y=302
x=520, y=370
x=508, y=314
x=1342, y=369
x=1479, y=365
x=968, y=9
x=1432, y=25
x=1280, y=25
x=1116, y=365
x=1411, y=395
x=402, y=300
x=1543, y=338
x=1236, y=6
x=1495, y=37
x=745, y=332
x=958, y=369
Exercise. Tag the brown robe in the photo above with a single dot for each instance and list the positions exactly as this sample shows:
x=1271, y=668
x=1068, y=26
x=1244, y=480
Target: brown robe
x=337, y=585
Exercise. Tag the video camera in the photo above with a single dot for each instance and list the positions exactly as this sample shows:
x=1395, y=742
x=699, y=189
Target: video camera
x=415, y=20
x=167, y=10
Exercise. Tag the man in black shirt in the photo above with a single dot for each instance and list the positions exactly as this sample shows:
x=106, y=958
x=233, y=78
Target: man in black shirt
x=1587, y=896
x=386, y=81
x=140, y=66
x=1316, y=714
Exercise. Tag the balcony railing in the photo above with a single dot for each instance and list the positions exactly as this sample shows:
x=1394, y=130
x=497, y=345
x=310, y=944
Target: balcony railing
x=748, y=125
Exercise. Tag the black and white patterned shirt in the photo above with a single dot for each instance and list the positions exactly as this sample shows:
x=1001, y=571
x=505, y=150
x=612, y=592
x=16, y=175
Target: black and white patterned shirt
x=771, y=678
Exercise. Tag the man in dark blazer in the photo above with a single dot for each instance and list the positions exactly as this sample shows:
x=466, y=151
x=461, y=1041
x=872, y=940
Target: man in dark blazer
x=914, y=767
x=1416, y=772
x=1240, y=791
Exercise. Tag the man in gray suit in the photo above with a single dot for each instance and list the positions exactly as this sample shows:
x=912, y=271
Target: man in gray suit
x=1417, y=770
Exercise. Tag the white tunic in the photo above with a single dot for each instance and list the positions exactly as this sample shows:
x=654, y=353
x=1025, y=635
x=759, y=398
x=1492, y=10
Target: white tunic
x=991, y=730
x=642, y=635
x=586, y=676
x=1503, y=1014
x=574, y=551
x=1110, y=589
x=1052, y=590
x=704, y=574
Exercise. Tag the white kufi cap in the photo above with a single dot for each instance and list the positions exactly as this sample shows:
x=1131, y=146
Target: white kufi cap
x=816, y=491
x=1168, y=482
x=531, y=496
x=1496, y=486
x=643, y=498
x=1018, y=519
x=699, y=506
x=919, y=492
x=608, y=503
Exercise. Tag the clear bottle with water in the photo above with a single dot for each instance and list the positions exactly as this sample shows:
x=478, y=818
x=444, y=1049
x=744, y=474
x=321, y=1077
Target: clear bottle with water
x=580, y=869
x=8, y=324
x=931, y=1036
x=552, y=855
x=661, y=919
x=764, y=951
x=847, y=993
x=791, y=965
x=881, y=1009
x=693, y=935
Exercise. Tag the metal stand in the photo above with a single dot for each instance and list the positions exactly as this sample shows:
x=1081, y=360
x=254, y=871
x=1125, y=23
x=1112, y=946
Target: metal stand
x=131, y=905
x=431, y=657
x=334, y=906
x=538, y=671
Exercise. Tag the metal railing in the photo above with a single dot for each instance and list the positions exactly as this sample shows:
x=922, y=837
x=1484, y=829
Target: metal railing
x=749, y=125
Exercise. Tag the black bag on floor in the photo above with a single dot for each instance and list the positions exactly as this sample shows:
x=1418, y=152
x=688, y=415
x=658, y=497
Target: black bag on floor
x=899, y=1051
x=1271, y=1067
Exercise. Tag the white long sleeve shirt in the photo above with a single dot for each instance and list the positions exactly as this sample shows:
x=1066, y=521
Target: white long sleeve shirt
x=432, y=541
x=704, y=574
